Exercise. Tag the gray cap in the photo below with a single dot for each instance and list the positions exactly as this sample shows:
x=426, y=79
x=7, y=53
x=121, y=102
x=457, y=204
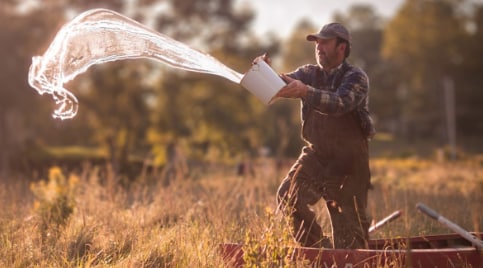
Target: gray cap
x=329, y=31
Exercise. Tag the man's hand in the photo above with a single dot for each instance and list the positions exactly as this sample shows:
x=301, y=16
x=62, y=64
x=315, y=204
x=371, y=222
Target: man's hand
x=263, y=57
x=294, y=89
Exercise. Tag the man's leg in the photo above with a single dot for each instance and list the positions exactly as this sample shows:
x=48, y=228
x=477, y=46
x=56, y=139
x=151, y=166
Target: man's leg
x=294, y=196
x=350, y=223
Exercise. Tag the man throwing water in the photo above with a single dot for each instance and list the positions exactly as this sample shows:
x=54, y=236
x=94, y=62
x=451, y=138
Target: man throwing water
x=336, y=126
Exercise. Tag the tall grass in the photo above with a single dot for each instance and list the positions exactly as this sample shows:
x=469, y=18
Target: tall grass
x=90, y=219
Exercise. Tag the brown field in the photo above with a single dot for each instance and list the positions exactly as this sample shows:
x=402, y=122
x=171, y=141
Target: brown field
x=89, y=219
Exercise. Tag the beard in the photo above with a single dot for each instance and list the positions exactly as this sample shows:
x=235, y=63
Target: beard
x=323, y=60
x=327, y=60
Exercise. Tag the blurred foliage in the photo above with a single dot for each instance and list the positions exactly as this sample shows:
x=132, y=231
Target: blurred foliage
x=416, y=33
x=270, y=250
x=135, y=108
x=54, y=202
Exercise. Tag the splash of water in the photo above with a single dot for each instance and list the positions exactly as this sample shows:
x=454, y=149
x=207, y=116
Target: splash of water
x=100, y=35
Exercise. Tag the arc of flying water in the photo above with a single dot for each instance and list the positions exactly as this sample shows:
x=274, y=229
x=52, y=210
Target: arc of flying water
x=100, y=35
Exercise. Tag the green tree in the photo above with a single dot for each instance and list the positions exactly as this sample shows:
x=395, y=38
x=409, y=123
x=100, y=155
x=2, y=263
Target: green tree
x=25, y=121
x=468, y=76
x=218, y=119
x=296, y=50
x=19, y=37
x=367, y=28
x=422, y=41
x=115, y=110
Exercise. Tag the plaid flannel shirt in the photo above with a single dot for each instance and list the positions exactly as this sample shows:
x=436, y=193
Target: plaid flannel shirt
x=351, y=95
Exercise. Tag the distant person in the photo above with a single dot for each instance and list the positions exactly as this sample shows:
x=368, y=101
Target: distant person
x=336, y=126
x=245, y=168
x=176, y=167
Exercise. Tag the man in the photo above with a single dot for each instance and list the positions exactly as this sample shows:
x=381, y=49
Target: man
x=336, y=125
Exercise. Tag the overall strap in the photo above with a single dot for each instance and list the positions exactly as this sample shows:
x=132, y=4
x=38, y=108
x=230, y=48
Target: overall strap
x=355, y=113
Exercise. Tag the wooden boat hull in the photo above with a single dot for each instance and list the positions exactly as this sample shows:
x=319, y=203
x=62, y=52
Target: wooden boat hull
x=449, y=250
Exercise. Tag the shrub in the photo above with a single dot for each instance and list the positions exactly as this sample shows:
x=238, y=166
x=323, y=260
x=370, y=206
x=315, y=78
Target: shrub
x=54, y=202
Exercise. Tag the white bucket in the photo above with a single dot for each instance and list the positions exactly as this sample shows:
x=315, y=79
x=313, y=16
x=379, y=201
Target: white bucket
x=262, y=81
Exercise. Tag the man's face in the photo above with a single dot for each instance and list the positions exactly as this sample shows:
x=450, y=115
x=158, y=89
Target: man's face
x=328, y=54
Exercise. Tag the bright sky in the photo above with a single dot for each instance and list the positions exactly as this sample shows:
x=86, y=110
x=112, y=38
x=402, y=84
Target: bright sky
x=280, y=16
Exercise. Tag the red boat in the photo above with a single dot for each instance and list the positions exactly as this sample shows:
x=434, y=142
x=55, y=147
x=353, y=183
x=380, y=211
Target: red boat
x=447, y=250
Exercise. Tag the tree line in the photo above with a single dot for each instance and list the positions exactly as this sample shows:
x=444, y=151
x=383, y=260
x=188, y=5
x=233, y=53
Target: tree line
x=134, y=109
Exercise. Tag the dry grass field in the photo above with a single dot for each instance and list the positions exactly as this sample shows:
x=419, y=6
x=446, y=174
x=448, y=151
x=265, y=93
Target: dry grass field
x=91, y=219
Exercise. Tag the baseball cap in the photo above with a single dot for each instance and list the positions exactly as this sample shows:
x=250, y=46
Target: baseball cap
x=330, y=31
